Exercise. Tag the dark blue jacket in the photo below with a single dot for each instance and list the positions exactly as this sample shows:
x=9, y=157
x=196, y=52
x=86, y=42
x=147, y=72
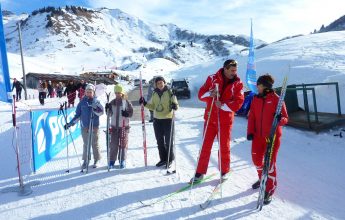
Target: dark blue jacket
x=83, y=112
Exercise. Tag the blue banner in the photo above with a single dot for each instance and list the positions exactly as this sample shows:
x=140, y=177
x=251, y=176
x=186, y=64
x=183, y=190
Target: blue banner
x=5, y=86
x=251, y=69
x=48, y=135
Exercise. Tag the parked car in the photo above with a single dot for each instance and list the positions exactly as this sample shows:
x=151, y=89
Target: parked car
x=137, y=82
x=180, y=88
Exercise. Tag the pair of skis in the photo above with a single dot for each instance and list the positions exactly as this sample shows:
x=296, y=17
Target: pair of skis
x=182, y=189
x=270, y=146
x=123, y=135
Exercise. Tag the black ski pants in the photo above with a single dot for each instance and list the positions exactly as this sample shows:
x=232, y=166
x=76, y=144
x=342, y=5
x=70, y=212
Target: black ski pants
x=163, y=129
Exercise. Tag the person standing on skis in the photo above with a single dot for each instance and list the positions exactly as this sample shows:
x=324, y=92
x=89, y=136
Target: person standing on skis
x=162, y=103
x=120, y=110
x=83, y=113
x=230, y=100
x=260, y=119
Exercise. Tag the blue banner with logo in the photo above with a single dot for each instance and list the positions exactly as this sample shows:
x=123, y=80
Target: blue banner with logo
x=5, y=86
x=48, y=134
x=251, y=69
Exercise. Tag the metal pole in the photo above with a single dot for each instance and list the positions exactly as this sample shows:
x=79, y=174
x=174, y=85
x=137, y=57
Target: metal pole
x=315, y=106
x=306, y=105
x=338, y=98
x=21, y=54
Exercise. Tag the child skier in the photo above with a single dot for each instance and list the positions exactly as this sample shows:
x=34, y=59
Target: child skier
x=83, y=112
x=120, y=110
x=261, y=115
x=162, y=103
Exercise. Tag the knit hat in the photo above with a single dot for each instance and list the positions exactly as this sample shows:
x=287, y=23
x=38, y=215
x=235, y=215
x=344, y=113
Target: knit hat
x=266, y=80
x=90, y=87
x=118, y=89
x=159, y=78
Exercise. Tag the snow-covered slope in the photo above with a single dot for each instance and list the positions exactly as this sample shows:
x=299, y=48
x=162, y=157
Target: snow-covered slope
x=72, y=41
x=306, y=59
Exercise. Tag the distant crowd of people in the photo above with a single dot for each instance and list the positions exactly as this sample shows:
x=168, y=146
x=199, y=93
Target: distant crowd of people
x=47, y=89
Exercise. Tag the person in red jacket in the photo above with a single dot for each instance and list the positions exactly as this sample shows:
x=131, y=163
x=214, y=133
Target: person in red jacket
x=230, y=100
x=260, y=119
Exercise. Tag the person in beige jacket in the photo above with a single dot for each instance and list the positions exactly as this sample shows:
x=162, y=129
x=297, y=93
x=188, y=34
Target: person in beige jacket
x=162, y=103
x=120, y=110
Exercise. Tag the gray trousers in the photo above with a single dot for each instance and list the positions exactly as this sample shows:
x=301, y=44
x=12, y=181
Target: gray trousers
x=95, y=146
x=118, y=144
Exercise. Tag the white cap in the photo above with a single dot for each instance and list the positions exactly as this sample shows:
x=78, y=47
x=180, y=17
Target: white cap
x=90, y=87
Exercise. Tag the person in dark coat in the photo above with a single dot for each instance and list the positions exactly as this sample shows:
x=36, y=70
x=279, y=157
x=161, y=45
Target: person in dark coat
x=19, y=87
x=81, y=89
x=71, y=91
x=50, y=89
x=42, y=91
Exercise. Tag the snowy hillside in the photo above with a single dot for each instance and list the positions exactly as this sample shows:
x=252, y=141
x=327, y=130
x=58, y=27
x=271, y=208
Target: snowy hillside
x=312, y=59
x=98, y=39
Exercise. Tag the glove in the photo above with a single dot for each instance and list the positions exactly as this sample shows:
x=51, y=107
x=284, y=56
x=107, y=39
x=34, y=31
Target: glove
x=107, y=107
x=66, y=126
x=250, y=137
x=94, y=105
x=142, y=101
x=124, y=113
x=173, y=106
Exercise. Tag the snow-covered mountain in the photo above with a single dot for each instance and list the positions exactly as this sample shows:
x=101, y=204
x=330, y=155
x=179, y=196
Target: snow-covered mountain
x=109, y=38
x=337, y=25
x=312, y=58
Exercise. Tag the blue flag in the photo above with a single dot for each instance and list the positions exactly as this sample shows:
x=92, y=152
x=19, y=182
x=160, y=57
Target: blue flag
x=5, y=87
x=251, y=69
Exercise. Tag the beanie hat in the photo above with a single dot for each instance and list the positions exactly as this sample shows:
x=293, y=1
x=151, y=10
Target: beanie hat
x=90, y=87
x=118, y=89
x=266, y=80
x=159, y=78
x=229, y=63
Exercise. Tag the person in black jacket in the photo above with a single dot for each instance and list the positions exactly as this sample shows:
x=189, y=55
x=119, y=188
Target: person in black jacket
x=71, y=91
x=50, y=89
x=19, y=87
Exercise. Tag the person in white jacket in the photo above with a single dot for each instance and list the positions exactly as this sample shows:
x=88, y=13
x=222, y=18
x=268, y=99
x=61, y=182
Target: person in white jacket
x=120, y=110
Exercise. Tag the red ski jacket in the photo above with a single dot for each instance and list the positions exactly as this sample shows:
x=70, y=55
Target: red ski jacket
x=261, y=114
x=231, y=97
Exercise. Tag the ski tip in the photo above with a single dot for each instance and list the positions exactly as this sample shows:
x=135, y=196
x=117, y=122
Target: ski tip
x=145, y=205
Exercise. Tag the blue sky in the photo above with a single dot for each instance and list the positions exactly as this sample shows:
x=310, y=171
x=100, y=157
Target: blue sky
x=273, y=19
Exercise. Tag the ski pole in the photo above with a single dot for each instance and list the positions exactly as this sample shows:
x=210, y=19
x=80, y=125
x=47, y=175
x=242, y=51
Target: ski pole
x=107, y=134
x=122, y=141
x=143, y=121
x=203, y=139
x=66, y=140
x=14, y=114
x=219, y=146
x=170, y=143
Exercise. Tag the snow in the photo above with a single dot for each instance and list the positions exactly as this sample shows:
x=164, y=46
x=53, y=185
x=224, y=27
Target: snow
x=309, y=183
x=310, y=178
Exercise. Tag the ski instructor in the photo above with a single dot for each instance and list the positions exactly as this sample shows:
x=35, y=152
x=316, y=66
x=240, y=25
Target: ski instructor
x=261, y=115
x=83, y=112
x=223, y=105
